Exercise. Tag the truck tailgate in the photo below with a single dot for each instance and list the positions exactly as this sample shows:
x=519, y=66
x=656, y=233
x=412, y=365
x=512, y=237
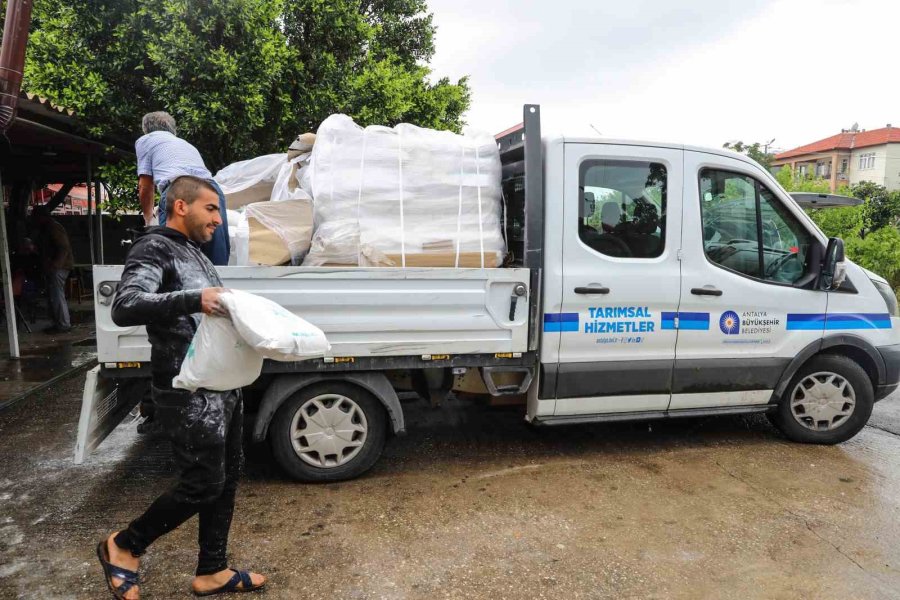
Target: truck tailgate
x=364, y=312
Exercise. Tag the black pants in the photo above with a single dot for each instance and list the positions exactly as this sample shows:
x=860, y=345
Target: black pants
x=205, y=429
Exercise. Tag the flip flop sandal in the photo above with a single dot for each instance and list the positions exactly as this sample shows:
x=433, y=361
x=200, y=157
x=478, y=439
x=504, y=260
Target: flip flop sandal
x=239, y=577
x=129, y=578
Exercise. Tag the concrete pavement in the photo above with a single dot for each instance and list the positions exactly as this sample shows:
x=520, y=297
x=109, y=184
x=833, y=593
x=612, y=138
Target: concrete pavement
x=474, y=503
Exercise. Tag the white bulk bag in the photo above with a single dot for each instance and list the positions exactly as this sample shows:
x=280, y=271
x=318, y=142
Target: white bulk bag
x=218, y=359
x=416, y=197
x=273, y=331
x=250, y=180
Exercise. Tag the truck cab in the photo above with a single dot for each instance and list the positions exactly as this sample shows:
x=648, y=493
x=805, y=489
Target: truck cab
x=684, y=281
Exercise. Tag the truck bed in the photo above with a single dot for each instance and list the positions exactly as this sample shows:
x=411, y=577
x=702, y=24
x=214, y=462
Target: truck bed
x=382, y=312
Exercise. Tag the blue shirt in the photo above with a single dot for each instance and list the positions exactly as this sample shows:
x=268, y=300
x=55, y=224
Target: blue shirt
x=165, y=157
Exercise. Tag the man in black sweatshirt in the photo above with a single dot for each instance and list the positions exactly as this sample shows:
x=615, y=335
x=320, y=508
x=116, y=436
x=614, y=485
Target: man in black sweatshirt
x=166, y=284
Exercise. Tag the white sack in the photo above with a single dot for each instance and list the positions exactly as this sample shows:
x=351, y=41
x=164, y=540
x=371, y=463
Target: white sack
x=408, y=191
x=287, y=182
x=239, y=238
x=273, y=331
x=250, y=180
x=218, y=358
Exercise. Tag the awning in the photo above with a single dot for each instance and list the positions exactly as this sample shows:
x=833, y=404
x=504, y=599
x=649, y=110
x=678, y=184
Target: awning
x=46, y=144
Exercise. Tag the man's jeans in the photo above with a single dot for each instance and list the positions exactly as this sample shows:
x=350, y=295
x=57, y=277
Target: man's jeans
x=56, y=292
x=205, y=430
x=219, y=247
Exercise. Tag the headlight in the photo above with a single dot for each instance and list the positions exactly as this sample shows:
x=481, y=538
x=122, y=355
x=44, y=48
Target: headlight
x=889, y=297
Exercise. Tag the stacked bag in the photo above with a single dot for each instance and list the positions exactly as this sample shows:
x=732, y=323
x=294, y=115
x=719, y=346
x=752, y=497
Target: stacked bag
x=374, y=197
x=275, y=223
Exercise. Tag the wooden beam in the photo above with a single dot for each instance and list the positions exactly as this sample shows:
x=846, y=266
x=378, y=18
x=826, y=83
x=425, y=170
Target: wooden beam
x=59, y=196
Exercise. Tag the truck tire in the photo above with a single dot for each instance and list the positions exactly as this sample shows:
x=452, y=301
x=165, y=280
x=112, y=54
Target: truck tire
x=328, y=431
x=828, y=401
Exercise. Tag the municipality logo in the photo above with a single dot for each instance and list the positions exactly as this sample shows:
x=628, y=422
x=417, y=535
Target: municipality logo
x=730, y=323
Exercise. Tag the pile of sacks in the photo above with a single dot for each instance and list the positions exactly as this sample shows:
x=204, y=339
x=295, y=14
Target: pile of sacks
x=375, y=196
x=270, y=217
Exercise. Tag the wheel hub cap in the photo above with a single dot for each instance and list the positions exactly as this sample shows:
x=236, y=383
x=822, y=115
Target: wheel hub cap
x=823, y=401
x=328, y=431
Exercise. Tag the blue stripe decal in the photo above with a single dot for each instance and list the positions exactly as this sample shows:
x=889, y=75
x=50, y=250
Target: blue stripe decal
x=817, y=317
x=560, y=317
x=815, y=321
x=806, y=322
x=858, y=321
x=668, y=320
x=560, y=322
x=686, y=320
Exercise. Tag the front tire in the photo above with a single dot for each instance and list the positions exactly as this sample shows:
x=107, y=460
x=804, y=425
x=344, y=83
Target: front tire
x=828, y=401
x=329, y=431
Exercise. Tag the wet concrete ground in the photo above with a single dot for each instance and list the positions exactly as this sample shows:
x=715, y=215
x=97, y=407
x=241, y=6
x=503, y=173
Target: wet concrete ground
x=475, y=504
x=44, y=356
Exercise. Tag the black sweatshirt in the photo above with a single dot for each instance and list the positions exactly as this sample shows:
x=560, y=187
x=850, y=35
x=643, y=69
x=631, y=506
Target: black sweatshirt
x=161, y=285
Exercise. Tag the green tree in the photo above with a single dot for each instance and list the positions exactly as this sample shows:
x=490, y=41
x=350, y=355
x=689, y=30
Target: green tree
x=879, y=252
x=793, y=181
x=241, y=77
x=869, y=231
x=756, y=151
x=881, y=207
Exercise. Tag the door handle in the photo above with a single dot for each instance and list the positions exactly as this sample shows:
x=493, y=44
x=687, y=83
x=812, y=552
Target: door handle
x=706, y=291
x=592, y=290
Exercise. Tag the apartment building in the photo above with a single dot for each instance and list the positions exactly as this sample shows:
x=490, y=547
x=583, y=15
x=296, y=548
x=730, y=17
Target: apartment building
x=849, y=157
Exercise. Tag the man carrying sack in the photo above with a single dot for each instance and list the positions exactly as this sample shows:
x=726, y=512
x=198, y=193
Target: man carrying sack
x=167, y=282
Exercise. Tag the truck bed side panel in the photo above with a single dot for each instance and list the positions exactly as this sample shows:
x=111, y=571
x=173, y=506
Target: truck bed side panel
x=365, y=312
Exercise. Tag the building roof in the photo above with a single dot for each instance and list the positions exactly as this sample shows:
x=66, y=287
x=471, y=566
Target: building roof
x=510, y=130
x=846, y=140
x=47, y=143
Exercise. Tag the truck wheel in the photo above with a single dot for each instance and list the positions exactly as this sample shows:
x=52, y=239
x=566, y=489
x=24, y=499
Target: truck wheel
x=328, y=432
x=827, y=402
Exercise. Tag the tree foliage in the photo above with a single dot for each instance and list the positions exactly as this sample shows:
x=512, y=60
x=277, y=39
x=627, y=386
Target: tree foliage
x=241, y=77
x=870, y=234
x=795, y=182
x=756, y=151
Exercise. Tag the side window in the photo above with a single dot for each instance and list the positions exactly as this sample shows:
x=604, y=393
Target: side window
x=748, y=230
x=786, y=242
x=623, y=208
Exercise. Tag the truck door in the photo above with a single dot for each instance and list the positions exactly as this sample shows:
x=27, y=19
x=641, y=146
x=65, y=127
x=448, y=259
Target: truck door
x=621, y=278
x=746, y=253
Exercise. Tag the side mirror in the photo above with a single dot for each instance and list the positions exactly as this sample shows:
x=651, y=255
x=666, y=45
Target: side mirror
x=834, y=269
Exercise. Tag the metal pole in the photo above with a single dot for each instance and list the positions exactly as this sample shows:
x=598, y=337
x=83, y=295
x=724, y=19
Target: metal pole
x=90, y=214
x=11, y=324
x=99, y=206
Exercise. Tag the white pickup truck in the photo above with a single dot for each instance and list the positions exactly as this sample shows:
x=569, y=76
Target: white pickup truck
x=644, y=281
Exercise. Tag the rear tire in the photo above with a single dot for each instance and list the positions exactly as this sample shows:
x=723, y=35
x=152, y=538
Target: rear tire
x=328, y=431
x=828, y=401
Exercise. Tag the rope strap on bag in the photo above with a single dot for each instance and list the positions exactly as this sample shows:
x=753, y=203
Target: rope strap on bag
x=362, y=170
x=400, y=177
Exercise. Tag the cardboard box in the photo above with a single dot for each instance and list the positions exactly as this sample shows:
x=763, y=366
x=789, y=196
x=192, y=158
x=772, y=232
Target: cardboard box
x=280, y=232
x=258, y=192
x=467, y=260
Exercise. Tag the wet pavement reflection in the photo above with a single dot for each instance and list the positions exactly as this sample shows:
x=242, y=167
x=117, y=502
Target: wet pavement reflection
x=44, y=357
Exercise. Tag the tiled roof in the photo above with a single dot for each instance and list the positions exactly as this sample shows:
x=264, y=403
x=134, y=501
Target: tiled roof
x=510, y=130
x=847, y=140
x=46, y=103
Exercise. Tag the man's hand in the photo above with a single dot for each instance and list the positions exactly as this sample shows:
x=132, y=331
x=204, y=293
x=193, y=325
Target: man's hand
x=210, y=304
